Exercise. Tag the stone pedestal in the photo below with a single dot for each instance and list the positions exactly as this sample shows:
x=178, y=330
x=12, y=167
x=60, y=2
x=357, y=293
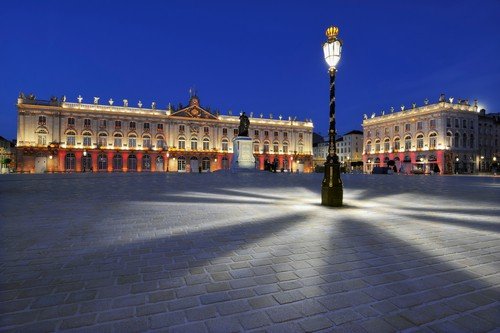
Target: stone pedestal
x=243, y=159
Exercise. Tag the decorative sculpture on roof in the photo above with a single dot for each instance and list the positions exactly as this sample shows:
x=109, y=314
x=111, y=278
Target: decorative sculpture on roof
x=441, y=98
x=125, y=102
x=392, y=109
x=451, y=99
x=63, y=99
x=413, y=105
x=111, y=101
x=426, y=101
x=373, y=115
x=80, y=99
x=96, y=100
x=402, y=107
x=139, y=104
x=153, y=105
x=382, y=112
x=365, y=116
x=244, y=125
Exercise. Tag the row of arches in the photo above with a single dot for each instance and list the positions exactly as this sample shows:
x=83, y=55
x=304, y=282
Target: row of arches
x=116, y=161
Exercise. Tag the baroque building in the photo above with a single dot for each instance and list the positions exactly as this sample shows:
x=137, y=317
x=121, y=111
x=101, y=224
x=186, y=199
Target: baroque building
x=441, y=137
x=61, y=136
x=349, y=149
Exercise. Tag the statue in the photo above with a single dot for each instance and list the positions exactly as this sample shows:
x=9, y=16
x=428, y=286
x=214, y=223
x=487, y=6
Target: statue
x=139, y=104
x=365, y=116
x=111, y=101
x=153, y=105
x=426, y=101
x=244, y=124
x=63, y=99
x=80, y=99
x=96, y=100
x=125, y=102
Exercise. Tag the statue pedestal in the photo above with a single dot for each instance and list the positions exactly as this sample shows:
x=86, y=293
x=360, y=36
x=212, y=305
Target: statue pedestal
x=243, y=159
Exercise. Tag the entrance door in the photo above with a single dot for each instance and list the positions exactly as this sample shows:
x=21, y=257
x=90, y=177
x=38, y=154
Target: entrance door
x=40, y=164
x=194, y=164
x=159, y=163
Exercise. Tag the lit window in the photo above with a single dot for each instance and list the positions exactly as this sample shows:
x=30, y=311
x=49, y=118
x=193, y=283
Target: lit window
x=420, y=141
x=70, y=138
x=146, y=141
x=225, y=145
x=71, y=121
x=206, y=144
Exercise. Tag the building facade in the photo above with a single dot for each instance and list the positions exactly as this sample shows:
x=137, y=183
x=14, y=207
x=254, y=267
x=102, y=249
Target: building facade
x=489, y=140
x=349, y=149
x=7, y=155
x=440, y=137
x=61, y=136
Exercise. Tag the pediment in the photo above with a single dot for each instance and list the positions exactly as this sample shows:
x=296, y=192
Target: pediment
x=193, y=112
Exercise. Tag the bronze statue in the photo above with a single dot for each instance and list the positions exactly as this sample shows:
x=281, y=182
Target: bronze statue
x=244, y=124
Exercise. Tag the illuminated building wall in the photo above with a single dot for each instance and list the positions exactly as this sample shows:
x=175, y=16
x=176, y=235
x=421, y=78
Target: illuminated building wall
x=61, y=136
x=417, y=139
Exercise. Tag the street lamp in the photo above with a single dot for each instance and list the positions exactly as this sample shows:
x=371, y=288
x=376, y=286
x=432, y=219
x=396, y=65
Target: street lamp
x=332, y=188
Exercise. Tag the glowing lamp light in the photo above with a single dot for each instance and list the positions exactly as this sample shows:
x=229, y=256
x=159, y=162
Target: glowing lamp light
x=332, y=48
x=84, y=153
x=50, y=156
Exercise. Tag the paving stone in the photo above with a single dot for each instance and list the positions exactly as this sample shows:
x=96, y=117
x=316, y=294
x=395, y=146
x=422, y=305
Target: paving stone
x=189, y=328
x=214, y=297
x=288, y=297
x=184, y=303
x=223, y=324
x=201, y=313
x=78, y=321
x=314, y=324
x=343, y=316
x=57, y=311
x=131, y=325
x=159, y=296
x=129, y=301
x=262, y=302
x=283, y=313
x=232, y=307
x=150, y=309
x=166, y=320
x=254, y=320
x=116, y=314
x=41, y=302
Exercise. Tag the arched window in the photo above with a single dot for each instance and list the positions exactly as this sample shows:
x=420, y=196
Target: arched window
x=182, y=142
x=70, y=162
x=407, y=142
x=397, y=144
x=266, y=147
x=256, y=146
x=205, y=164
x=225, y=145
x=432, y=140
x=387, y=145
x=117, y=162
x=368, y=146
x=377, y=160
x=301, y=148
x=420, y=141
x=42, y=136
x=464, y=140
x=181, y=164
x=146, y=163
x=102, y=162
x=276, y=147
x=146, y=141
x=117, y=140
x=449, y=140
x=70, y=138
x=471, y=143
x=194, y=143
x=285, y=147
x=457, y=139
x=132, y=140
x=132, y=162
x=87, y=139
x=377, y=146
x=160, y=142
x=102, y=140
x=86, y=162
x=206, y=144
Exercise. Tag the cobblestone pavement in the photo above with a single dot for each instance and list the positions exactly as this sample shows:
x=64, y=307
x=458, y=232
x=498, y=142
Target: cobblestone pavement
x=248, y=252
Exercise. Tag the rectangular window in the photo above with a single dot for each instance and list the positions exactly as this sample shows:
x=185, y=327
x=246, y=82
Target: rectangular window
x=285, y=149
x=146, y=126
x=301, y=135
x=236, y=132
x=118, y=124
x=224, y=131
x=131, y=125
x=275, y=134
x=407, y=127
x=206, y=129
x=206, y=145
x=102, y=123
x=396, y=128
x=159, y=127
x=464, y=123
x=256, y=133
x=86, y=123
x=419, y=125
x=42, y=120
x=457, y=123
x=70, y=140
x=42, y=139
x=472, y=124
x=132, y=142
x=448, y=122
x=386, y=130
x=87, y=140
x=71, y=121
x=432, y=123
x=266, y=133
x=181, y=128
x=285, y=135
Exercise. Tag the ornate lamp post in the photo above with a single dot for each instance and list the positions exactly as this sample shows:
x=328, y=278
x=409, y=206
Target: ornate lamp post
x=332, y=188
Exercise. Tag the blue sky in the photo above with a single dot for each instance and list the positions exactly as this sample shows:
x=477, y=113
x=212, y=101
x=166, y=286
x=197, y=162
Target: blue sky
x=256, y=56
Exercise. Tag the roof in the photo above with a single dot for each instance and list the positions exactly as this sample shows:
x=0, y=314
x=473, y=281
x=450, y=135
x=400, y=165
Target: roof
x=354, y=132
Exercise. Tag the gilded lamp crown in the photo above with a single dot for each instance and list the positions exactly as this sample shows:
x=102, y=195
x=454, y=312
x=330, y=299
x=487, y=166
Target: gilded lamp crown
x=332, y=32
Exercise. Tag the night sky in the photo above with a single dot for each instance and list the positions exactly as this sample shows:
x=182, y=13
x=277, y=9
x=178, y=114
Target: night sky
x=255, y=56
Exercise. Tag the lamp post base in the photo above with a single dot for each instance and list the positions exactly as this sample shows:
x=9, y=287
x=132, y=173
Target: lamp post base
x=332, y=191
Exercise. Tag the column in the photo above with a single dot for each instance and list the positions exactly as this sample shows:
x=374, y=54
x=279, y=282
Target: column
x=153, y=161
x=62, y=157
x=125, y=161
x=110, y=161
x=78, y=157
x=139, y=161
x=261, y=162
x=280, y=162
x=95, y=156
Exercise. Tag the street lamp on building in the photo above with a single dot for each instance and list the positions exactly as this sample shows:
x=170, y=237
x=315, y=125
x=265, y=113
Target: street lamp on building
x=332, y=188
